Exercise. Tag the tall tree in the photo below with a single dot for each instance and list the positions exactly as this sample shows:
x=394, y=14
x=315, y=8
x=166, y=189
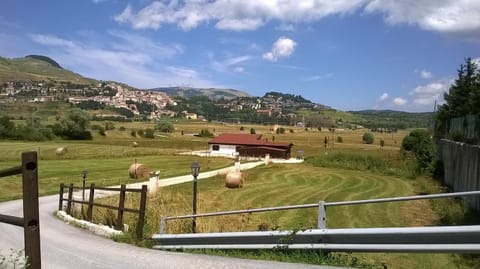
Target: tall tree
x=463, y=97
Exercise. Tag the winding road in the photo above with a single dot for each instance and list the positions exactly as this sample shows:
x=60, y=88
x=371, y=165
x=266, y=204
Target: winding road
x=65, y=246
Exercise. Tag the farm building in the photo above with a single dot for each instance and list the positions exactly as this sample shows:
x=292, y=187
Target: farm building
x=248, y=145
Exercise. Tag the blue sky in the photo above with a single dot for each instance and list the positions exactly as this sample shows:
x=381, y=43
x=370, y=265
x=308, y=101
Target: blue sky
x=347, y=54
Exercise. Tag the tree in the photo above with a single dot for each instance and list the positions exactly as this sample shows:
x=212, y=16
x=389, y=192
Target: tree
x=252, y=131
x=368, y=138
x=165, y=127
x=74, y=125
x=205, y=133
x=463, y=97
x=419, y=142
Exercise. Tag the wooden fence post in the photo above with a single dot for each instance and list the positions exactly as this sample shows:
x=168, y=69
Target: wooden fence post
x=70, y=198
x=141, y=214
x=90, y=202
x=121, y=207
x=31, y=226
x=60, y=199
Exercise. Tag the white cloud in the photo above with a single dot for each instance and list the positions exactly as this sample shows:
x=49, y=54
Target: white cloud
x=286, y=27
x=123, y=60
x=425, y=74
x=282, y=48
x=477, y=61
x=454, y=16
x=450, y=16
x=226, y=64
x=318, y=77
x=426, y=95
x=383, y=97
x=232, y=14
x=239, y=69
x=398, y=101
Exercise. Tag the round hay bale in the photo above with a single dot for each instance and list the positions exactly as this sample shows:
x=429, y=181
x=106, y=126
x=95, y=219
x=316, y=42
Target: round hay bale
x=234, y=180
x=138, y=170
x=134, y=144
x=61, y=151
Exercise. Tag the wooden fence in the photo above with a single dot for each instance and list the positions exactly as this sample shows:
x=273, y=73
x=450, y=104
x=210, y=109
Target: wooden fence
x=120, y=208
x=30, y=221
x=461, y=168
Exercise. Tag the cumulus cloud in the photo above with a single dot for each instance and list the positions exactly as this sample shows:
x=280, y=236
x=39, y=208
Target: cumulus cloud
x=454, y=16
x=383, y=97
x=450, y=16
x=232, y=14
x=122, y=60
x=425, y=74
x=398, y=101
x=282, y=48
x=426, y=95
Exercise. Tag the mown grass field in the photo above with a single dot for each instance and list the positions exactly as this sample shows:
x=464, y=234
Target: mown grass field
x=321, y=177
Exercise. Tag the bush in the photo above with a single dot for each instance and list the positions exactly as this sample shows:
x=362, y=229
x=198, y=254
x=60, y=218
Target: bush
x=149, y=133
x=133, y=133
x=368, y=138
x=101, y=130
x=339, y=139
x=292, y=131
x=280, y=130
x=420, y=143
x=122, y=128
x=252, y=131
x=165, y=127
x=205, y=133
x=140, y=132
x=109, y=125
x=242, y=128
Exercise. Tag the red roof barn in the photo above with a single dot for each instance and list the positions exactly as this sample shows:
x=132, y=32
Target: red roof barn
x=248, y=145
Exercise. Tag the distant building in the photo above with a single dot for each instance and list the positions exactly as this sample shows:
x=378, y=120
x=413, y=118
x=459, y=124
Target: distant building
x=251, y=145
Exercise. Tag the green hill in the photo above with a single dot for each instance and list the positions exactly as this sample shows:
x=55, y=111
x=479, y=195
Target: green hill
x=37, y=68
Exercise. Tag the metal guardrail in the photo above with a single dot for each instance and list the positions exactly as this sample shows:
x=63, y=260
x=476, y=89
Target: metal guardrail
x=322, y=217
x=444, y=239
x=451, y=239
x=30, y=220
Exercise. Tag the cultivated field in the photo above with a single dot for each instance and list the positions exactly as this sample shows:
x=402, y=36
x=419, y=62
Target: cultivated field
x=326, y=175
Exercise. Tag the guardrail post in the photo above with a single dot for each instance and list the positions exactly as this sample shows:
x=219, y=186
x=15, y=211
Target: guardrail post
x=60, y=199
x=121, y=207
x=31, y=225
x=163, y=225
x=322, y=215
x=70, y=198
x=90, y=202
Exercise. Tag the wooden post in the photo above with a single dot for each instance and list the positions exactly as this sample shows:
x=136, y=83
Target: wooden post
x=31, y=218
x=70, y=198
x=121, y=207
x=60, y=199
x=141, y=214
x=90, y=202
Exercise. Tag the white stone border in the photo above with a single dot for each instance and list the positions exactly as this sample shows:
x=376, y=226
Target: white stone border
x=97, y=229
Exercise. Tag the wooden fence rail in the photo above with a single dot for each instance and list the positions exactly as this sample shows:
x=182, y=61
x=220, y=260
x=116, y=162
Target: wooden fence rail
x=120, y=208
x=30, y=221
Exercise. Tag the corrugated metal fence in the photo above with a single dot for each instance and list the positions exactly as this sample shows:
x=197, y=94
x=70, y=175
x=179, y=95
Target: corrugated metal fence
x=461, y=168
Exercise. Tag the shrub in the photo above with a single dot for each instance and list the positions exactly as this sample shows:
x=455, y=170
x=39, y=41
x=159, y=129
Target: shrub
x=382, y=143
x=280, y=130
x=165, y=127
x=140, y=132
x=122, y=128
x=101, y=130
x=205, y=133
x=242, y=128
x=339, y=139
x=109, y=125
x=368, y=138
x=149, y=133
x=133, y=133
x=420, y=143
x=252, y=131
x=292, y=131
